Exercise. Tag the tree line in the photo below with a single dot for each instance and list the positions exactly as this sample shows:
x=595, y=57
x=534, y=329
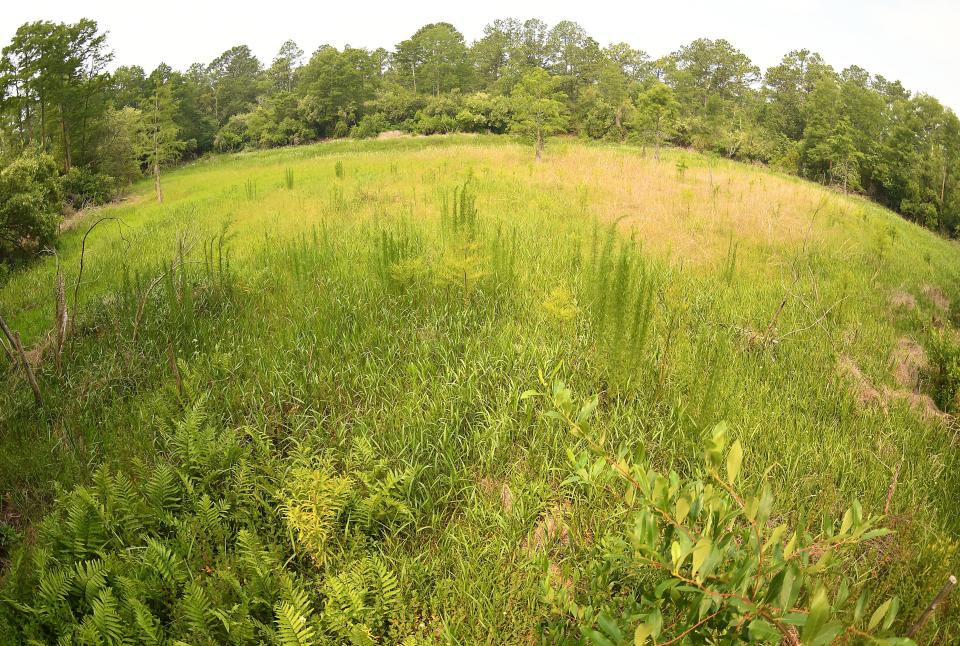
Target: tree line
x=103, y=129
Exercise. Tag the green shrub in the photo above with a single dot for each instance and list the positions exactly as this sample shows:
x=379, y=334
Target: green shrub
x=370, y=126
x=31, y=197
x=707, y=555
x=84, y=187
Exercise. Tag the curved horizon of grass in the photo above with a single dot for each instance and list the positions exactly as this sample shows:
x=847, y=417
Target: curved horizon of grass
x=380, y=305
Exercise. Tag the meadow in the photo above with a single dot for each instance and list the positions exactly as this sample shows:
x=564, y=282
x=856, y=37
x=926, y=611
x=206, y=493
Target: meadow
x=313, y=359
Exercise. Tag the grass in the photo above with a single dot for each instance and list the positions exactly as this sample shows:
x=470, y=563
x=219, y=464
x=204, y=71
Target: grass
x=404, y=293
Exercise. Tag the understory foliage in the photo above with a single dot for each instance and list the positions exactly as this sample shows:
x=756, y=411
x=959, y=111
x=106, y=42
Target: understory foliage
x=195, y=549
x=709, y=559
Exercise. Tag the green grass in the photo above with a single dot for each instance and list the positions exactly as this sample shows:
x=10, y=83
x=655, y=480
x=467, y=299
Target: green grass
x=383, y=307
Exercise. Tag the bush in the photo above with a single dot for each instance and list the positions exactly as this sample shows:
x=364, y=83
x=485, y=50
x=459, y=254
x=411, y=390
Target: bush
x=31, y=197
x=370, y=126
x=84, y=187
x=711, y=555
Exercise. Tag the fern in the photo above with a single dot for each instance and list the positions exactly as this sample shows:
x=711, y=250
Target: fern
x=90, y=578
x=54, y=587
x=162, y=560
x=294, y=627
x=106, y=617
x=197, y=609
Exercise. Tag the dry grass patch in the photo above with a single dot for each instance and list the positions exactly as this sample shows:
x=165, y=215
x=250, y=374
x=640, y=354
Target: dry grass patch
x=908, y=361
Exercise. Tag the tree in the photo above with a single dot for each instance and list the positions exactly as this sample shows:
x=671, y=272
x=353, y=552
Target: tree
x=31, y=198
x=657, y=112
x=57, y=73
x=335, y=86
x=538, y=108
x=286, y=64
x=493, y=53
x=787, y=87
x=118, y=145
x=572, y=55
x=159, y=143
x=433, y=60
x=235, y=78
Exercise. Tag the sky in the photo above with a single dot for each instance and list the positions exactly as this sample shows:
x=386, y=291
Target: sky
x=914, y=41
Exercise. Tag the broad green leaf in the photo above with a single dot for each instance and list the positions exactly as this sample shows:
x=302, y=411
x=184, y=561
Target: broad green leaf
x=762, y=630
x=700, y=554
x=683, y=508
x=790, y=547
x=847, y=523
x=734, y=461
x=676, y=555
x=817, y=617
x=786, y=588
x=891, y=613
x=642, y=634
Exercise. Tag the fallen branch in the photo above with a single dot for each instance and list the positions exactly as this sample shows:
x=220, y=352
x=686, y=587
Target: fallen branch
x=83, y=249
x=14, y=339
x=937, y=600
x=177, y=262
x=61, y=316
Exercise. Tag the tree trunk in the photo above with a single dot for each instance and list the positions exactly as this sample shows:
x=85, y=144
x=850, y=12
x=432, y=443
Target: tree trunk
x=43, y=127
x=943, y=186
x=539, y=146
x=67, y=157
x=156, y=182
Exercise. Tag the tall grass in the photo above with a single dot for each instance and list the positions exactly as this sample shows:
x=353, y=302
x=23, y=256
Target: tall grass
x=406, y=305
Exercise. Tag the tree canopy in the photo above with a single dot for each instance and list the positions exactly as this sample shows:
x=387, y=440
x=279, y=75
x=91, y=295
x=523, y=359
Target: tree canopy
x=849, y=128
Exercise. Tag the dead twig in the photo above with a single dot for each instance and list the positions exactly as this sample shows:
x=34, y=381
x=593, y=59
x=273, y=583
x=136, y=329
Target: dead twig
x=61, y=316
x=937, y=600
x=83, y=249
x=175, y=369
x=177, y=262
x=14, y=339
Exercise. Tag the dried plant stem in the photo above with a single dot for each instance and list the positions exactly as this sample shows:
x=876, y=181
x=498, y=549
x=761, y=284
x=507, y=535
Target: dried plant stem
x=14, y=339
x=937, y=600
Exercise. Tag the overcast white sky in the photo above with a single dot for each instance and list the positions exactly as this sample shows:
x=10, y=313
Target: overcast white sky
x=915, y=41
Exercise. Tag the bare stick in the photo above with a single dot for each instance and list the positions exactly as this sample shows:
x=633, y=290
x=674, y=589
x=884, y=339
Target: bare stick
x=156, y=281
x=15, y=342
x=172, y=360
x=83, y=249
x=944, y=591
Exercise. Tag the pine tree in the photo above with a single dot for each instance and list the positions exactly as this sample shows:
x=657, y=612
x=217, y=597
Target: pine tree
x=538, y=108
x=159, y=143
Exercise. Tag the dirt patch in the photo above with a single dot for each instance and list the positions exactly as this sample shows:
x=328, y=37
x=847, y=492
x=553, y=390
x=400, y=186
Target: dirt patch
x=501, y=490
x=392, y=134
x=550, y=529
x=863, y=390
x=923, y=405
x=936, y=296
x=909, y=360
x=901, y=300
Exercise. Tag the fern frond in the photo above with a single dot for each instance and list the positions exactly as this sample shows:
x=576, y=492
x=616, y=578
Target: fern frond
x=197, y=609
x=106, y=617
x=91, y=578
x=162, y=560
x=293, y=621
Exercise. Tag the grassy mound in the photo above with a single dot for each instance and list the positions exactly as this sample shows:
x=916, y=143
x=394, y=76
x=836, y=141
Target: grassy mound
x=356, y=322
